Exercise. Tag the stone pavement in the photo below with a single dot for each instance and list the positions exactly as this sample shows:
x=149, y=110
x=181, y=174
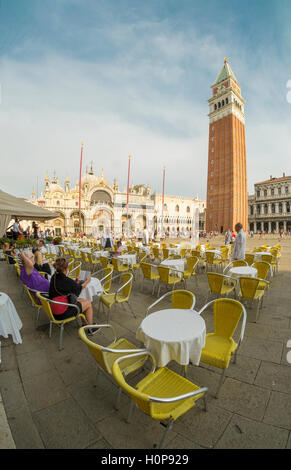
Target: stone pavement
x=55, y=399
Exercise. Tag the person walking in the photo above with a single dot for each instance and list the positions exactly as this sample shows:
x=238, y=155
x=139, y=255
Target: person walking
x=240, y=243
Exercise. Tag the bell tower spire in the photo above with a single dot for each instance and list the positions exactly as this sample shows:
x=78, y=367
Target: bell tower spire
x=227, y=175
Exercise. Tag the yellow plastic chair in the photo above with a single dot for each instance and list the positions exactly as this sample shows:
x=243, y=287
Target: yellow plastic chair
x=75, y=254
x=220, y=345
x=249, y=258
x=35, y=302
x=220, y=284
x=118, y=266
x=106, y=355
x=120, y=296
x=269, y=258
x=157, y=253
x=263, y=268
x=211, y=259
x=148, y=273
x=104, y=261
x=235, y=264
x=192, y=264
x=93, y=261
x=253, y=289
x=162, y=394
x=105, y=277
x=84, y=258
x=166, y=278
x=46, y=304
x=179, y=299
x=75, y=272
x=166, y=253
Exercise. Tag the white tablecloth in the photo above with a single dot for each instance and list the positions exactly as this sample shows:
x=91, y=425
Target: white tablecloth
x=93, y=288
x=145, y=249
x=127, y=259
x=99, y=253
x=242, y=271
x=10, y=323
x=52, y=249
x=217, y=253
x=258, y=255
x=174, y=264
x=173, y=334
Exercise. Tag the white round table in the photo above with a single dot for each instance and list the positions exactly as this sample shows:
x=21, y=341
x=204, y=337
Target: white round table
x=239, y=271
x=127, y=259
x=52, y=249
x=173, y=334
x=10, y=323
x=93, y=288
x=174, y=264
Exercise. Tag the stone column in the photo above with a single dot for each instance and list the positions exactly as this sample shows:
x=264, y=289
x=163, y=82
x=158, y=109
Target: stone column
x=269, y=227
x=285, y=225
x=277, y=226
x=269, y=208
x=276, y=208
x=255, y=227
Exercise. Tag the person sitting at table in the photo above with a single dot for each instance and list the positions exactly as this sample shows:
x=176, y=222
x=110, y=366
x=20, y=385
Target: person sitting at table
x=40, y=265
x=119, y=250
x=61, y=285
x=11, y=251
x=29, y=275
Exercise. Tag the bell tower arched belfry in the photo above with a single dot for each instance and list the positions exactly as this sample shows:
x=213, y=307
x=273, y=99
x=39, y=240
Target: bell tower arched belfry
x=227, y=197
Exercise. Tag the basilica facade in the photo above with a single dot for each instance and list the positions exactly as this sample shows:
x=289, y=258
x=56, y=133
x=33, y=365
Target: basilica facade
x=104, y=206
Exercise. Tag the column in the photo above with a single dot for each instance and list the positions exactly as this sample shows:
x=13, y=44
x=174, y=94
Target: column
x=277, y=226
x=269, y=227
x=285, y=225
x=269, y=208
x=255, y=227
x=276, y=208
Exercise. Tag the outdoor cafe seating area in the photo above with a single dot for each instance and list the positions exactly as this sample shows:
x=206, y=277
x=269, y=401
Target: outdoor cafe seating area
x=173, y=327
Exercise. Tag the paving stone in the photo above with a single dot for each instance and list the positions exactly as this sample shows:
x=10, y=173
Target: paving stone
x=12, y=391
x=245, y=399
x=24, y=431
x=65, y=426
x=142, y=433
x=33, y=363
x=75, y=367
x=6, y=439
x=278, y=411
x=204, y=427
x=274, y=377
x=8, y=358
x=244, y=433
x=31, y=343
x=44, y=390
x=289, y=441
x=262, y=349
x=181, y=442
x=100, y=444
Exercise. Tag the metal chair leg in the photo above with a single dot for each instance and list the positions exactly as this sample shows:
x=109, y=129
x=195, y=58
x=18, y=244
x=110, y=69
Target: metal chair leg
x=61, y=337
x=51, y=327
x=118, y=397
x=220, y=383
x=168, y=429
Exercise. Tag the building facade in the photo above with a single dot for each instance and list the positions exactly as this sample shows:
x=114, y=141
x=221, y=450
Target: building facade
x=227, y=198
x=269, y=206
x=104, y=206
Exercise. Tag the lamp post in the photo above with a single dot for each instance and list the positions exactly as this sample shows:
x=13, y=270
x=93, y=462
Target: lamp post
x=163, y=199
x=129, y=157
x=81, y=159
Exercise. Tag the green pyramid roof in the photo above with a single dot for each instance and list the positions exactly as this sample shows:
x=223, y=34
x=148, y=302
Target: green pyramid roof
x=225, y=73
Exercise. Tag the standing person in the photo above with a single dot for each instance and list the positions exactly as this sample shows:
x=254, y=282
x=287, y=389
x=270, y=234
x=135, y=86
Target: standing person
x=107, y=241
x=34, y=229
x=145, y=238
x=240, y=243
x=228, y=237
x=16, y=230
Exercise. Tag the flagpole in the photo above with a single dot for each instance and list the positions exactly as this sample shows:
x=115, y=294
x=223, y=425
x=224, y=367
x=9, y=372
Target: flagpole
x=163, y=199
x=81, y=159
x=129, y=157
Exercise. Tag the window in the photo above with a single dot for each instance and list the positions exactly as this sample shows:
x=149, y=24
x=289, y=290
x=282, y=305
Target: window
x=258, y=209
x=212, y=150
x=215, y=107
x=188, y=209
x=288, y=207
x=265, y=192
x=252, y=210
x=286, y=189
x=226, y=100
x=177, y=208
x=219, y=104
x=266, y=208
x=212, y=162
x=279, y=191
x=272, y=192
x=222, y=103
x=273, y=208
x=258, y=193
x=280, y=208
x=212, y=128
x=211, y=188
x=211, y=174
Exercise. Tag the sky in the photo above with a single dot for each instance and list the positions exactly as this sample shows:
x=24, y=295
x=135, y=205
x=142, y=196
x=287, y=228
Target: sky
x=132, y=77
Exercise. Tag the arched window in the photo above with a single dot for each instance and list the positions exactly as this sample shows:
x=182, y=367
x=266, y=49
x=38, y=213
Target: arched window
x=280, y=207
x=222, y=103
x=226, y=100
x=215, y=107
x=219, y=104
x=273, y=208
x=287, y=206
x=188, y=209
x=258, y=209
x=266, y=208
x=177, y=208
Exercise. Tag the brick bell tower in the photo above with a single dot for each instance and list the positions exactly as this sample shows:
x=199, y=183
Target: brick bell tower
x=227, y=197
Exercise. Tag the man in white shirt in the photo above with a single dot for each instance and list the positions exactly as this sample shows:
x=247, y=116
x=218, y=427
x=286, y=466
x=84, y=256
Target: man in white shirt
x=15, y=229
x=240, y=243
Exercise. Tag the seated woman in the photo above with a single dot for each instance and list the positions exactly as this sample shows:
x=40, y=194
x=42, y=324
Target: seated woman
x=60, y=286
x=30, y=276
x=11, y=251
x=119, y=250
x=39, y=264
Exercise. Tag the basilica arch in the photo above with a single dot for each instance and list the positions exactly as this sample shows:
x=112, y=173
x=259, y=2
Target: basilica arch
x=102, y=218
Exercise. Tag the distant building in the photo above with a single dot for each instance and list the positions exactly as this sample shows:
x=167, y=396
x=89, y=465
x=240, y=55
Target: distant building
x=104, y=206
x=269, y=206
x=227, y=199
